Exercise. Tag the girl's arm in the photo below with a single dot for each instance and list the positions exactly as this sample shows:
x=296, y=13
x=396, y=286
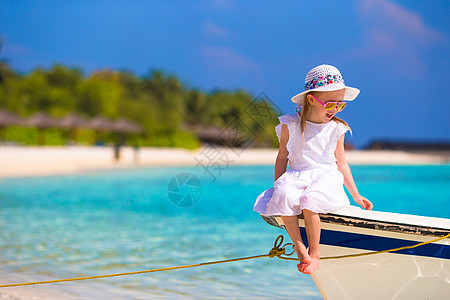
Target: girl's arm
x=349, y=183
x=281, y=162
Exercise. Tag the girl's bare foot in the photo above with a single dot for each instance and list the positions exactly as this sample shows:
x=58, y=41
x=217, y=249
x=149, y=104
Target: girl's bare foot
x=313, y=265
x=304, y=264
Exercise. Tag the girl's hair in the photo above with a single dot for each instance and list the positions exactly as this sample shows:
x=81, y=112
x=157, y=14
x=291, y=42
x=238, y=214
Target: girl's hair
x=305, y=108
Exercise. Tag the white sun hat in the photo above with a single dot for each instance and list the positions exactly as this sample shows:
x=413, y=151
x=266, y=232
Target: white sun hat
x=325, y=78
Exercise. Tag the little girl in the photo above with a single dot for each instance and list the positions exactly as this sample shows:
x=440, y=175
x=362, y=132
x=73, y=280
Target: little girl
x=312, y=141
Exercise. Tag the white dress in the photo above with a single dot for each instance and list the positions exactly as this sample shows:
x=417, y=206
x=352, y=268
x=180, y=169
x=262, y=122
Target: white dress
x=313, y=180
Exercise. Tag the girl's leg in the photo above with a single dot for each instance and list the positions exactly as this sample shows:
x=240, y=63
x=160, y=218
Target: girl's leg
x=312, y=226
x=291, y=224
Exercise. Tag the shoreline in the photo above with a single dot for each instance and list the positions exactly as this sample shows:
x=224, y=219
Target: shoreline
x=16, y=161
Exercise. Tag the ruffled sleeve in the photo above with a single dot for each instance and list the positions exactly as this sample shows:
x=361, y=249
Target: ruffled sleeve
x=288, y=120
x=341, y=129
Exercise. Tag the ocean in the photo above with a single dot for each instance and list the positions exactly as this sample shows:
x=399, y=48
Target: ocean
x=138, y=219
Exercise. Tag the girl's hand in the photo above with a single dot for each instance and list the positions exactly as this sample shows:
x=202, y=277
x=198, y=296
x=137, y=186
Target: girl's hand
x=366, y=204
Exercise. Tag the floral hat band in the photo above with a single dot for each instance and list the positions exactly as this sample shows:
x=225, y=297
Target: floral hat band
x=325, y=78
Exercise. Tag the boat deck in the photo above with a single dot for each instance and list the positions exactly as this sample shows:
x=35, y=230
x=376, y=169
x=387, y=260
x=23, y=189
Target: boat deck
x=385, y=221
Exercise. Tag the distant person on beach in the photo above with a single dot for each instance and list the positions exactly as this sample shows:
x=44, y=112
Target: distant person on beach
x=312, y=142
x=117, y=154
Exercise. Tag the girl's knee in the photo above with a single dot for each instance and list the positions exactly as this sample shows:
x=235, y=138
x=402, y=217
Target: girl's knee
x=309, y=212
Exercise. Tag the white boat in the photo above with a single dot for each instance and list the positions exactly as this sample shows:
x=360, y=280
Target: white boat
x=418, y=273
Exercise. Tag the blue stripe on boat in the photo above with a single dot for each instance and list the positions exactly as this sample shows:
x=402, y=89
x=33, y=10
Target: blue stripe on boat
x=377, y=243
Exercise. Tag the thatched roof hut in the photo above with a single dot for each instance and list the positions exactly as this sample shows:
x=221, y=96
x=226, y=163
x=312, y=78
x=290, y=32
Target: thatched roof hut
x=100, y=123
x=8, y=118
x=73, y=121
x=126, y=126
x=41, y=120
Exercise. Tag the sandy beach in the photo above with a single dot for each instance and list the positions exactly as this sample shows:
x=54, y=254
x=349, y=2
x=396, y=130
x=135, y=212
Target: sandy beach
x=44, y=161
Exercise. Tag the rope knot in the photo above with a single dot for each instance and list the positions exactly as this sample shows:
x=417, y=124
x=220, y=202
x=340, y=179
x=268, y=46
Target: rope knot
x=277, y=251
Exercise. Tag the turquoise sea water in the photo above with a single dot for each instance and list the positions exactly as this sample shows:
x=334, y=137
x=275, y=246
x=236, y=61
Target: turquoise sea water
x=121, y=221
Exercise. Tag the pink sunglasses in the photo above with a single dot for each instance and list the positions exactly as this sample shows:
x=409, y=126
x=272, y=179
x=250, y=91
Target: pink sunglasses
x=332, y=105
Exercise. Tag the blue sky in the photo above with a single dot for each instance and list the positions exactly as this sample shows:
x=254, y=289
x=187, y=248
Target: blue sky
x=396, y=52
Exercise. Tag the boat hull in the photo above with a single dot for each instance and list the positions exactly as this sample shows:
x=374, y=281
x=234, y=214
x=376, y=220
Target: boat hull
x=419, y=273
x=383, y=276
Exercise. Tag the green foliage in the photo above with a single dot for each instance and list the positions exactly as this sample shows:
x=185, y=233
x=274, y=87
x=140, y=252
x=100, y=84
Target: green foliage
x=158, y=102
x=180, y=139
x=33, y=136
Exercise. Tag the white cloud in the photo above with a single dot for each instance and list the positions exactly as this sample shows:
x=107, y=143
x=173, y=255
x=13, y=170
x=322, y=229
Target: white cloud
x=226, y=58
x=395, y=32
x=211, y=29
x=384, y=40
x=391, y=15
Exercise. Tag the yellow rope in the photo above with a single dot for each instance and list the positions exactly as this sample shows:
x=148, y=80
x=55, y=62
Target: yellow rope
x=137, y=272
x=275, y=251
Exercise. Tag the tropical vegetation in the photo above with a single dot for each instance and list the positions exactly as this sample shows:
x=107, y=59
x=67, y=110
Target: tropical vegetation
x=170, y=113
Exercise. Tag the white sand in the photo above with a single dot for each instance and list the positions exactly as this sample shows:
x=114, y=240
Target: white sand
x=40, y=161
